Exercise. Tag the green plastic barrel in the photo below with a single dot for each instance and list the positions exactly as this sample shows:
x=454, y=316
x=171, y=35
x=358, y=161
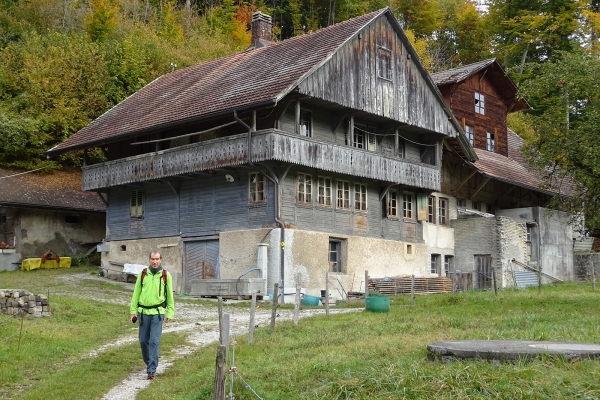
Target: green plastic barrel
x=310, y=300
x=378, y=304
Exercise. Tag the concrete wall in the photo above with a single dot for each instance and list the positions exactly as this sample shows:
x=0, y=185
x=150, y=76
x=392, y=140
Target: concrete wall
x=583, y=264
x=511, y=238
x=306, y=252
x=556, y=244
x=138, y=252
x=38, y=231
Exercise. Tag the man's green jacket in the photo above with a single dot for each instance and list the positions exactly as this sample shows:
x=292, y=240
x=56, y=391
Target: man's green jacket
x=153, y=292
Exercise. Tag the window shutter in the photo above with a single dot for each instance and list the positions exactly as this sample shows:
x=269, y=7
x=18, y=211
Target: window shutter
x=372, y=145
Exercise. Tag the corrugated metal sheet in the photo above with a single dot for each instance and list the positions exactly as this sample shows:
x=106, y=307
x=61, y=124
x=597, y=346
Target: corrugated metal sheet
x=526, y=278
x=200, y=261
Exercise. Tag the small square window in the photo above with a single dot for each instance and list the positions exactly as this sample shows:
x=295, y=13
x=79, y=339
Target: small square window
x=407, y=205
x=409, y=249
x=392, y=204
x=324, y=188
x=384, y=58
x=360, y=197
x=343, y=195
x=435, y=264
x=479, y=103
x=305, y=123
x=443, y=211
x=431, y=209
x=491, y=142
x=336, y=255
x=257, y=188
x=136, y=209
x=304, y=193
x=470, y=134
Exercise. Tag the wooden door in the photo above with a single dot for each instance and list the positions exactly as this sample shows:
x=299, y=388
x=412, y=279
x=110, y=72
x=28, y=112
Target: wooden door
x=200, y=261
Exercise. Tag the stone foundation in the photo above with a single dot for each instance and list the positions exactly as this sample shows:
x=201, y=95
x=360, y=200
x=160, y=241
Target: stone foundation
x=18, y=302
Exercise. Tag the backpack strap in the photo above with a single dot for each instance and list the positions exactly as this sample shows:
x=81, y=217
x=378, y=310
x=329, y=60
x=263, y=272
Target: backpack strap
x=144, y=273
x=164, y=278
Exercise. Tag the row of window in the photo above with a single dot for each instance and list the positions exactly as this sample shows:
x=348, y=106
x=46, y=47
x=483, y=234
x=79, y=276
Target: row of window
x=435, y=264
x=325, y=193
x=437, y=215
x=491, y=141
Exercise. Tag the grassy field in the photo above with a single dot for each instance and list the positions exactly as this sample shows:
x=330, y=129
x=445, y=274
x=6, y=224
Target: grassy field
x=349, y=356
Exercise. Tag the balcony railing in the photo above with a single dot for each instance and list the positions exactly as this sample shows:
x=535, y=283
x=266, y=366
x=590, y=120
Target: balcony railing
x=266, y=146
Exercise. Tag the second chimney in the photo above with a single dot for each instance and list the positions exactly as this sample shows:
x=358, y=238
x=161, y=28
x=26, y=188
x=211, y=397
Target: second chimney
x=261, y=30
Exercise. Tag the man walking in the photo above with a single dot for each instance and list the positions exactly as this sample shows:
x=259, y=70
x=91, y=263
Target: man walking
x=151, y=304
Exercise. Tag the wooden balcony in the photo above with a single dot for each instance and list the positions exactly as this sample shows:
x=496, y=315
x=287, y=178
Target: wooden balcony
x=270, y=145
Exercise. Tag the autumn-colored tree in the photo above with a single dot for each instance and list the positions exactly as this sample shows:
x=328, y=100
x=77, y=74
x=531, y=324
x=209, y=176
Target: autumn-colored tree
x=102, y=21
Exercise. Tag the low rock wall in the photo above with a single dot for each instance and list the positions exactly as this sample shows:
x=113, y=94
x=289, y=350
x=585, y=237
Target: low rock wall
x=18, y=302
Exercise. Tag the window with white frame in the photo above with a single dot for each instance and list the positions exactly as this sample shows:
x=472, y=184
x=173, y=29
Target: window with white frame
x=324, y=192
x=360, y=197
x=443, y=211
x=479, y=103
x=435, y=264
x=470, y=134
x=136, y=209
x=342, y=197
x=491, y=142
x=336, y=255
x=363, y=137
x=407, y=205
x=401, y=148
x=304, y=188
x=448, y=265
x=305, y=123
x=256, y=188
x=431, y=209
x=392, y=204
x=384, y=61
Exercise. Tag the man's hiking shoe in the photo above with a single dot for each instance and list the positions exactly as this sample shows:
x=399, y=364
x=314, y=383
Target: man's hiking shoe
x=150, y=377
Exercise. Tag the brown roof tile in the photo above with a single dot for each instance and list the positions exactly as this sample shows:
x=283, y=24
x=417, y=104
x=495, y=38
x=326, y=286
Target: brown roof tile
x=56, y=190
x=241, y=80
x=514, y=169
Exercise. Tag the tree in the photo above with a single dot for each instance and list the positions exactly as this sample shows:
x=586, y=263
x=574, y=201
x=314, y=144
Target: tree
x=565, y=94
x=102, y=21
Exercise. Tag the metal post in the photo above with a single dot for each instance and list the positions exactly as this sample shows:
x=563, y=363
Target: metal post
x=252, y=314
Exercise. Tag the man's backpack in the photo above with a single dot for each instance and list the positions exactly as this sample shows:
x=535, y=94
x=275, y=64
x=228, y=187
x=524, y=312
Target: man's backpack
x=164, y=279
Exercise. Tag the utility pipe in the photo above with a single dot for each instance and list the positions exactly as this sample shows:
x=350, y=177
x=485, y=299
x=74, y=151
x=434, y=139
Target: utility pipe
x=278, y=218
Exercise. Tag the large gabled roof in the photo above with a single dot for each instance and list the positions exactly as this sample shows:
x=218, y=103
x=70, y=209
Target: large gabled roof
x=249, y=79
x=494, y=72
x=58, y=190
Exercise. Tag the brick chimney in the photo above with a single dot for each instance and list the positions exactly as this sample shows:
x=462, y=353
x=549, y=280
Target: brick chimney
x=261, y=30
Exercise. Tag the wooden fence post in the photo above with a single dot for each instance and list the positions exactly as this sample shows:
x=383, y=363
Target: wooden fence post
x=539, y=272
x=412, y=290
x=327, y=293
x=252, y=314
x=593, y=277
x=494, y=281
x=297, y=300
x=220, y=373
x=366, y=284
x=274, y=306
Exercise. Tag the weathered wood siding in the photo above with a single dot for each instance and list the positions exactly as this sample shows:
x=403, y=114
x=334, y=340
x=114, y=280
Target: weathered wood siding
x=161, y=213
x=462, y=103
x=267, y=146
x=372, y=223
x=204, y=206
x=350, y=78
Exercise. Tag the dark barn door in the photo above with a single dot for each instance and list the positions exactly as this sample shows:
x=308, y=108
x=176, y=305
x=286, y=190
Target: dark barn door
x=200, y=261
x=483, y=271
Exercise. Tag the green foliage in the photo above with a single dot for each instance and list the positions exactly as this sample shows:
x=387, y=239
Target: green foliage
x=566, y=119
x=102, y=21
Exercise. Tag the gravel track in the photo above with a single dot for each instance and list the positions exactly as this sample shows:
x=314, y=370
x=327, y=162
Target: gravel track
x=199, y=321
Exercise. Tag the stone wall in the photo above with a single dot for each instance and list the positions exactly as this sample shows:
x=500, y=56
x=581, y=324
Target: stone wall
x=583, y=264
x=16, y=302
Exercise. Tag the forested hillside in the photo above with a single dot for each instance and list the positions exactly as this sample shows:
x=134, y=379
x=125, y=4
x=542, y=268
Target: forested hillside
x=65, y=62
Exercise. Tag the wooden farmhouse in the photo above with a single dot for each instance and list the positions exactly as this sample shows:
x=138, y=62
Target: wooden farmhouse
x=311, y=155
x=497, y=205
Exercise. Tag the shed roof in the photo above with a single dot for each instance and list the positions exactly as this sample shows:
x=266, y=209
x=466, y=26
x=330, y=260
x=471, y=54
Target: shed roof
x=514, y=169
x=58, y=190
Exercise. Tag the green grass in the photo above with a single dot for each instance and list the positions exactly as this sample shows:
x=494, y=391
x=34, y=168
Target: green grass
x=358, y=355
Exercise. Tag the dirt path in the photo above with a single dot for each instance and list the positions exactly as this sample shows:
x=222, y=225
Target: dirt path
x=199, y=321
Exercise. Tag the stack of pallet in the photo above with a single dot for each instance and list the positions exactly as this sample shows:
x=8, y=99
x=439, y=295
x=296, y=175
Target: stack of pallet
x=402, y=285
